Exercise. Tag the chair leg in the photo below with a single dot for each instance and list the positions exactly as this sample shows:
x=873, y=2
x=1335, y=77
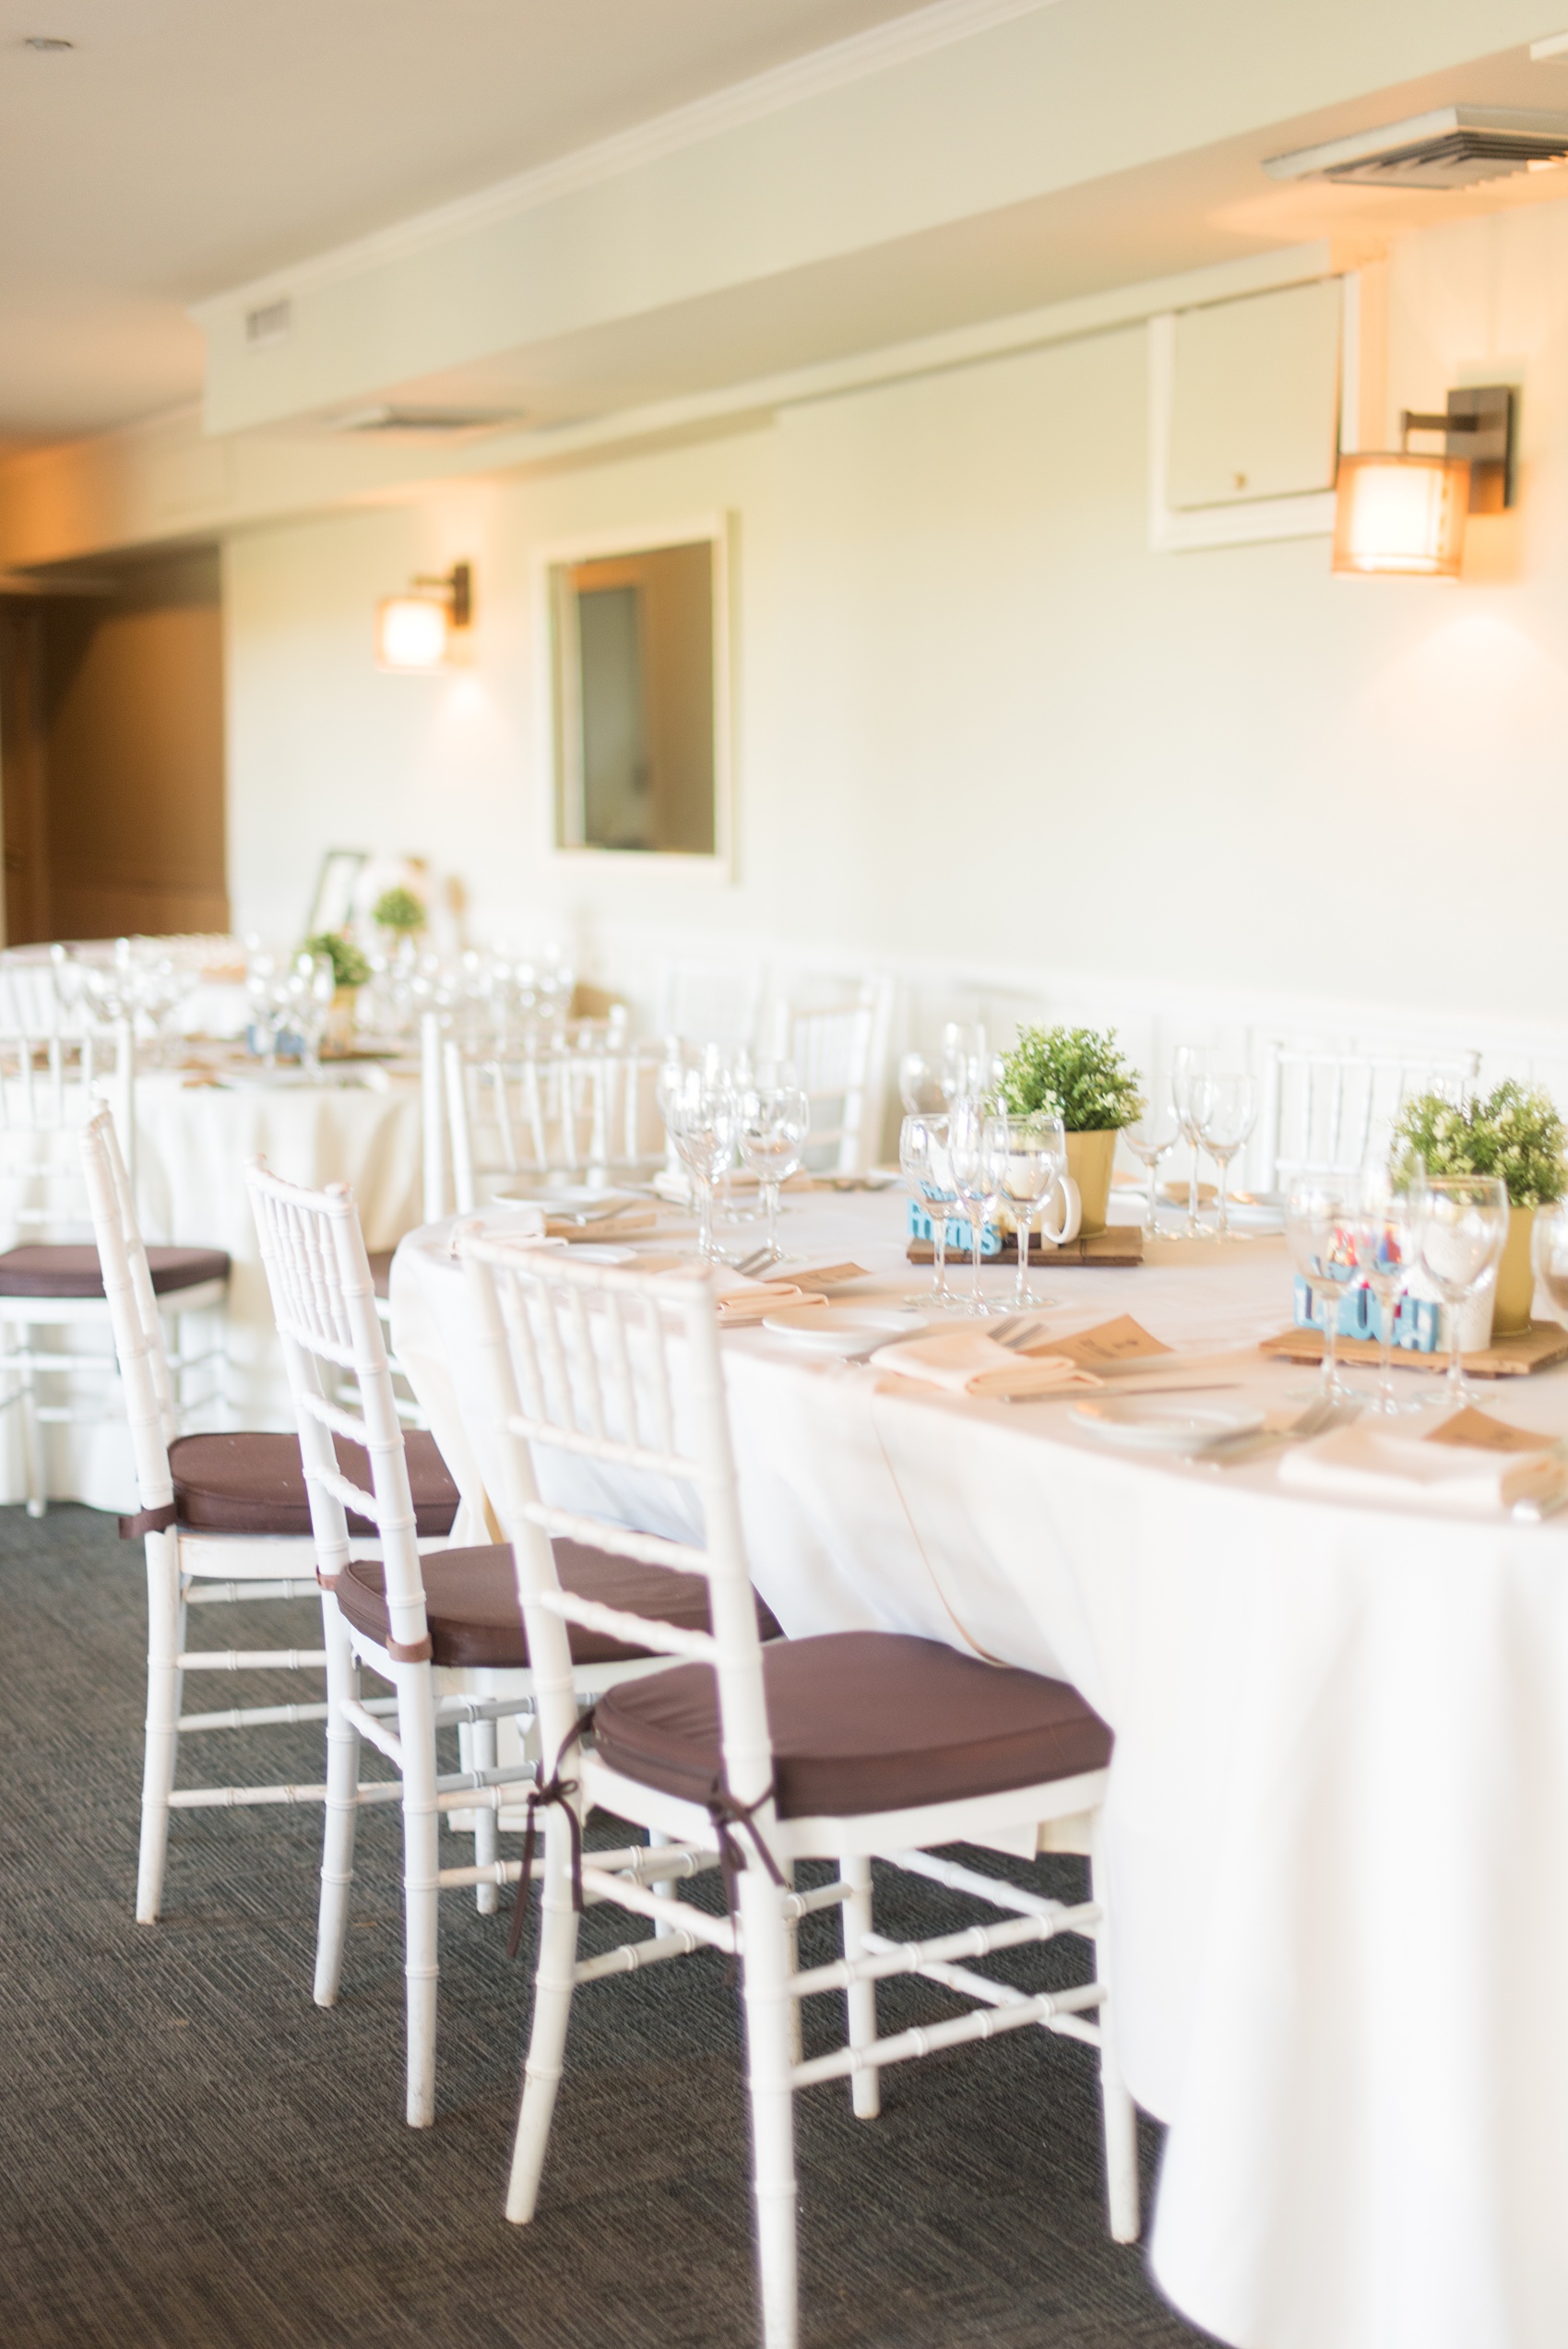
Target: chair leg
x=552, y=2012
x=662, y=1887
x=421, y=1862
x=32, y=1431
x=340, y=1811
x=487, y=1831
x=1119, y=2117
x=865, y=2087
x=766, y=1990
x=165, y=1633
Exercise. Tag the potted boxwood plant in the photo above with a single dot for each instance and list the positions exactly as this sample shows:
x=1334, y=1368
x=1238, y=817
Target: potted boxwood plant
x=1081, y=1074
x=1514, y=1133
x=349, y=973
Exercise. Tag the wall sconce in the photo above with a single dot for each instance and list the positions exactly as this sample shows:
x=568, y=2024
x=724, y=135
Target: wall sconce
x=413, y=631
x=1403, y=514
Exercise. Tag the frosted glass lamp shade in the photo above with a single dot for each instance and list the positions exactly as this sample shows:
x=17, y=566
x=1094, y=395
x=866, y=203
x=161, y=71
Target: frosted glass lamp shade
x=1401, y=516
x=411, y=633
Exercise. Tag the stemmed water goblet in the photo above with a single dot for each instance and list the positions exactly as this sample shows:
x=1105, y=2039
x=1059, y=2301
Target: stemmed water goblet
x=1226, y=1109
x=774, y=1123
x=922, y=1161
x=1461, y=1226
x=919, y=1086
x=1380, y=1231
x=307, y=992
x=1033, y=1167
x=977, y=1149
x=1315, y=1217
x=701, y=1115
x=1151, y=1138
x=1190, y=1074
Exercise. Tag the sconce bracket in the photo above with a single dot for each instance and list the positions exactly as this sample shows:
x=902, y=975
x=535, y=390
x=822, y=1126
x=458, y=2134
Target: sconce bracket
x=1478, y=423
x=458, y=586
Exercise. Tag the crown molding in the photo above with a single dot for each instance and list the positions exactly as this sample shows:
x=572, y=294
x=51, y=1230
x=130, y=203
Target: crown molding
x=819, y=72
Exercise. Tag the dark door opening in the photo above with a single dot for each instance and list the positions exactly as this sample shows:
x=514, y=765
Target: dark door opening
x=112, y=756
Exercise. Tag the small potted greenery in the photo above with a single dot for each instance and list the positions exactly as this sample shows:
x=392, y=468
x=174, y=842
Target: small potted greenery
x=399, y=911
x=1079, y=1074
x=349, y=973
x=1514, y=1133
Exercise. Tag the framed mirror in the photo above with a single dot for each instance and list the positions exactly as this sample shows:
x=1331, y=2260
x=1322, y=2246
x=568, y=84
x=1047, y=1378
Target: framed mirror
x=638, y=702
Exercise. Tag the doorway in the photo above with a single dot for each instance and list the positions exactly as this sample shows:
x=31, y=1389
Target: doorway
x=112, y=756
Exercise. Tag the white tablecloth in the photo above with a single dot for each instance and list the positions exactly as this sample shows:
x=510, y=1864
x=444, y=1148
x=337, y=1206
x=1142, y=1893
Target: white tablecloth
x=193, y=1145
x=1339, y=1819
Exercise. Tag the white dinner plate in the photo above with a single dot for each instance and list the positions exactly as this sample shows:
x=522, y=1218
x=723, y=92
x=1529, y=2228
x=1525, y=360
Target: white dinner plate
x=1165, y=1422
x=565, y=1198
x=844, y=1330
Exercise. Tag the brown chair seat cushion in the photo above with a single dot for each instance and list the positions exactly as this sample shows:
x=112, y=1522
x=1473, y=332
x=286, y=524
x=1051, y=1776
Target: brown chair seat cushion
x=254, y=1483
x=60, y=1270
x=471, y=1603
x=381, y=1270
x=861, y=1721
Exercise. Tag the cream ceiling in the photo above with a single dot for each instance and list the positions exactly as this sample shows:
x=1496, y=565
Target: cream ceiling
x=184, y=144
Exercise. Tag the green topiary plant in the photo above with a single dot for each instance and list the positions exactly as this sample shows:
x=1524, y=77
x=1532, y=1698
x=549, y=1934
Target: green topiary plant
x=398, y=909
x=1078, y=1073
x=1518, y=1135
x=350, y=968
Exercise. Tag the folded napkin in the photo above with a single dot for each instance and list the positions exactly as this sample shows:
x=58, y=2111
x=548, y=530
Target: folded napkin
x=748, y=1301
x=629, y=1225
x=1363, y=1462
x=971, y=1363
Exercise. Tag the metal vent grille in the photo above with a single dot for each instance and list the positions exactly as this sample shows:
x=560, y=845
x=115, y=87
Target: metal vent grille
x=1458, y=147
x=385, y=417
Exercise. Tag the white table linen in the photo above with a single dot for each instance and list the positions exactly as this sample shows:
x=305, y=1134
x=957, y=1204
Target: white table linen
x=1338, y=1813
x=193, y=1143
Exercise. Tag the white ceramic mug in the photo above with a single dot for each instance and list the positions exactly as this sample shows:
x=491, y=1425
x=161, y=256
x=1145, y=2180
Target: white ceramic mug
x=1066, y=1191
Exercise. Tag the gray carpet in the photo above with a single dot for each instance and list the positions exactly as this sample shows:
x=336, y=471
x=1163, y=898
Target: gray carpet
x=192, y=2156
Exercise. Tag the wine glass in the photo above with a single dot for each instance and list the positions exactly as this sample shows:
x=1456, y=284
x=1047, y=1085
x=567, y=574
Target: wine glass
x=923, y=1159
x=701, y=1119
x=1035, y=1162
x=1151, y=1138
x=772, y=1128
x=919, y=1084
x=1549, y=1252
x=976, y=1148
x=1380, y=1230
x=963, y=1055
x=1461, y=1228
x=1315, y=1230
x=308, y=994
x=1226, y=1110
x=1189, y=1073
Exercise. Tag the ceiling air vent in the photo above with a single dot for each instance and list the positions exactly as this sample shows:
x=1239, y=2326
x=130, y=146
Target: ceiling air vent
x=386, y=418
x=272, y=323
x=1457, y=146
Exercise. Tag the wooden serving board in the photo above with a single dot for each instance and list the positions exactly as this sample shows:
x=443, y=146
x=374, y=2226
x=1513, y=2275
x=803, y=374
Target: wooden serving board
x=1537, y=1348
x=1117, y=1244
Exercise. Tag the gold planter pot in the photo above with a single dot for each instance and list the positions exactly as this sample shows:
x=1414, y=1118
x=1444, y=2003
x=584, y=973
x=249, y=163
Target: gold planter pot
x=1089, y=1160
x=1515, y=1276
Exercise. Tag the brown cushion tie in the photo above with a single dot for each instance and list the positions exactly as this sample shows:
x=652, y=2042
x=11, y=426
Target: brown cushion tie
x=556, y=1792
x=727, y=1814
x=410, y=1651
x=148, y=1521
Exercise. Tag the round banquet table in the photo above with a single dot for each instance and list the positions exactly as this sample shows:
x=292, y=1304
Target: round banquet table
x=1338, y=1810
x=194, y=1142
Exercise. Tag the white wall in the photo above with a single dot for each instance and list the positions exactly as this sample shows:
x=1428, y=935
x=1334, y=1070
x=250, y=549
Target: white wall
x=978, y=723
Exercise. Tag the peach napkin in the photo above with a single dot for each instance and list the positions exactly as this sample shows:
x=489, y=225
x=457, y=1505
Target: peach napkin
x=741, y=1301
x=971, y=1363
x=1363, y=1462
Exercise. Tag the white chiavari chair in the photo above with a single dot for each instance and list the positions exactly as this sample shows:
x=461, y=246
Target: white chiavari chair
x=839, y=1052
x=1320, y=1111
x=750, y=1758
x=52, y=1085
x=711, y=1003
x=408, y=1619
x=225, y=1520
x=585, y=1111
